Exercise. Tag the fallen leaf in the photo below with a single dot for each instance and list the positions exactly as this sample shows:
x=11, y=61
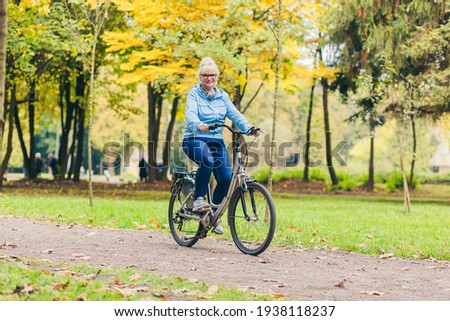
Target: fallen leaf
x=92, y=276
x=278, y=295
x=135, y=277
x=81, y=297
x=269, y=280
x=82, y=256
x=6, y=243
x=48, y=251
x=361, y=246
x=66, y=273
x=140, y=226
x=340, y=284
x=290, y=228
x=125, y=292
x=158, y=295
x=141, y=288
x=193, y=281
x=264, y=260
x=369, y=236
x=386, y=256
x=372, y=293
x=203, y=297
x=213, y=289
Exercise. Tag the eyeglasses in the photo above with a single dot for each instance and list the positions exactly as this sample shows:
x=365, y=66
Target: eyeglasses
x=209, y=76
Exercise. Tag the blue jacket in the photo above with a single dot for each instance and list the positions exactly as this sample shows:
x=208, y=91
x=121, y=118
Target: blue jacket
x=200, y=109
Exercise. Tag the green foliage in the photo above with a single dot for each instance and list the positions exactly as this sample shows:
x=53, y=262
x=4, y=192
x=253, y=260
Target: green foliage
x=287, y=173
x=316, y=174
x=395, y=181
x=346, y=181
x=262, y=175
x=435, y=178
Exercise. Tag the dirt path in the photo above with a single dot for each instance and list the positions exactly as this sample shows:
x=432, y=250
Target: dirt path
x=297, y=273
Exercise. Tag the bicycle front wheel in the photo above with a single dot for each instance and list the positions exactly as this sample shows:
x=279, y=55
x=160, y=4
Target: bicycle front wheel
x=252, y=218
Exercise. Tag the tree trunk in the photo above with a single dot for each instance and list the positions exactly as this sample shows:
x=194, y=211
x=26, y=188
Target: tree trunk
x=334, y=179
x=3, y=36
x=237, y=99
x=273, y=150
x=166, y=153
x=80, y=93
x=90, y=119
x=66, y=122
x=413, y=161
x=308, y=134
x=31, y=110
x=371, y=178
x=71, y=156
x=23, y=147
x=406, y=196
x=154, y=120
x=9, y=146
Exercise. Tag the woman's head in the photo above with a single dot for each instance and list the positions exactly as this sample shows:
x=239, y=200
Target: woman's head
x=208, y=73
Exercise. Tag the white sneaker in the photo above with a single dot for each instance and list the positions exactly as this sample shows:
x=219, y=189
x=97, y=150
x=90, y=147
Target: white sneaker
x=200, y=205
x=219, y=228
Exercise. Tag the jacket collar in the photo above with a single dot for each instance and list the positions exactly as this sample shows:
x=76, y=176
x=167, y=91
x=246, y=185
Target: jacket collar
x=201, y=93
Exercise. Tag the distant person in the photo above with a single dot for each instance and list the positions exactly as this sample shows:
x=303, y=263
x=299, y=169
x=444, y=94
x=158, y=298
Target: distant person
x=39, y=163
x=143, y=174
x=52, y=162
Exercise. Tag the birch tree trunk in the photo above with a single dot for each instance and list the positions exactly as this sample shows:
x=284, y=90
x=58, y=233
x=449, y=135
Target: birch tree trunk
x=273, y=151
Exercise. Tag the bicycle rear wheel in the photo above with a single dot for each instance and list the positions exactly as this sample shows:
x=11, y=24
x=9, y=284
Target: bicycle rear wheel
x=252, y=218
x=185, y=231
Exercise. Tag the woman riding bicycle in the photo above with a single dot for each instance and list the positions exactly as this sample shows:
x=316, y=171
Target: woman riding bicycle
x=206, y=105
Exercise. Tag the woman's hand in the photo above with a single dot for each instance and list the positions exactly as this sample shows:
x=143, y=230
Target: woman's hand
x=203, y=127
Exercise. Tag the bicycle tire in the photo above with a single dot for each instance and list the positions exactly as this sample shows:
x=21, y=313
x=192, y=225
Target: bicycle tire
x=252, y=235
x=185, y=232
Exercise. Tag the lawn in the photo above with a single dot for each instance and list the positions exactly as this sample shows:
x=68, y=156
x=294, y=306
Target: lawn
x=359, y=224
x=39, y=280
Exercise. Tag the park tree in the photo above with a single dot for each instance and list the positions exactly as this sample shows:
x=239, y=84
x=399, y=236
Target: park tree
x=37, y=40
x=95, y=13
x=163, y=45
x=3, y=35
x=380, y=31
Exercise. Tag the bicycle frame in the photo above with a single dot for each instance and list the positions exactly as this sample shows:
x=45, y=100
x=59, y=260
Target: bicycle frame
x=239, y=178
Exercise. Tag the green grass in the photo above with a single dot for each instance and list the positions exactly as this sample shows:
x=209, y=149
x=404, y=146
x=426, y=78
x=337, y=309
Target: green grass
x=38, y=280
x=369, y=225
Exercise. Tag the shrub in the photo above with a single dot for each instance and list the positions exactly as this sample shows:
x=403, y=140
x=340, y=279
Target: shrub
x=395, y=181
x=435, y=178
x=316, y=174
x=262, y=175
x=287, y=173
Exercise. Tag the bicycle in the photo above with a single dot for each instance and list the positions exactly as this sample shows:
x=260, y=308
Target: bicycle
x=251, y=210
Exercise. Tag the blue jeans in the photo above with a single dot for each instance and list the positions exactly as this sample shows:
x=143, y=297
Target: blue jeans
x=211, y=156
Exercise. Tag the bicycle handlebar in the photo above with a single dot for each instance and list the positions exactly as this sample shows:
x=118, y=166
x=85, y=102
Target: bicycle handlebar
x=252, y=130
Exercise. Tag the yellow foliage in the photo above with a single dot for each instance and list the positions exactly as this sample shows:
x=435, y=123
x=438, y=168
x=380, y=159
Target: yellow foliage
x=120, y=42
